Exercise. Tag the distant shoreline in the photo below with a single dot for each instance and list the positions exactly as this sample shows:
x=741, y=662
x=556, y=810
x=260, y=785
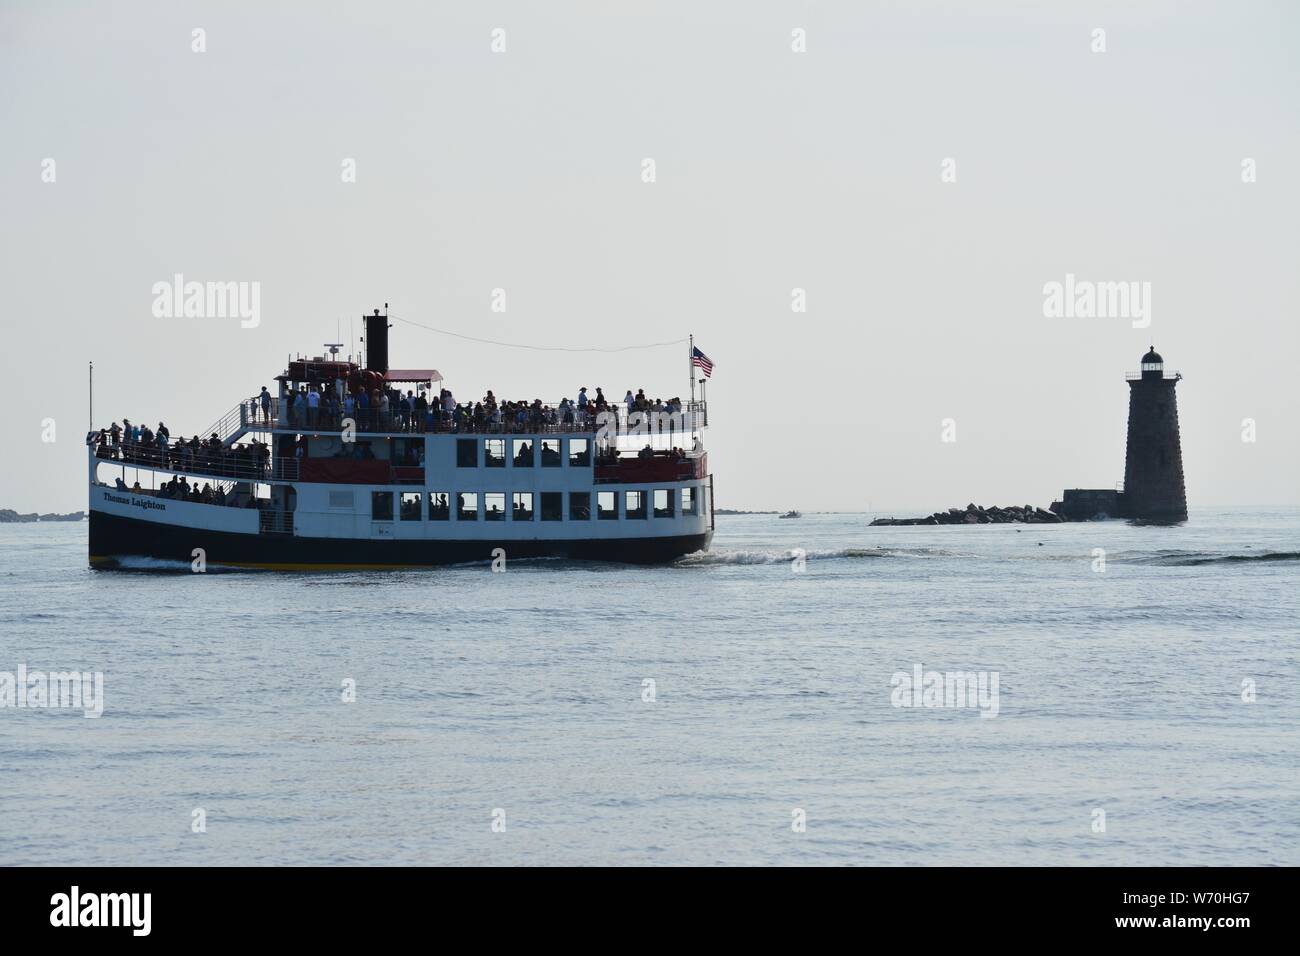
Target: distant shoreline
x=9, y=516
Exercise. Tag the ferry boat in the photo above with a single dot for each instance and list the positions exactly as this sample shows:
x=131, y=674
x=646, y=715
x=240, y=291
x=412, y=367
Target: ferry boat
x=332, y=472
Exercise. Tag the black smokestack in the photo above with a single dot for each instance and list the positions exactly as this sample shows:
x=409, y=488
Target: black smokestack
x=377, y=342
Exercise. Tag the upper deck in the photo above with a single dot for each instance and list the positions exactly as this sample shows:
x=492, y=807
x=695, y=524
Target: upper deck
x=335, y=420
x=277, y=415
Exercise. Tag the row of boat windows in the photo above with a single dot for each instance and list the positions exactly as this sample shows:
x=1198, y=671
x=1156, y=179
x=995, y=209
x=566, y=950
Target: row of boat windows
x=524, y=505
x=523, y=452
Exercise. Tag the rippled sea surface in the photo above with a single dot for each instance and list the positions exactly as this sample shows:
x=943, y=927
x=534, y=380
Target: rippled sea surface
x=524, y=693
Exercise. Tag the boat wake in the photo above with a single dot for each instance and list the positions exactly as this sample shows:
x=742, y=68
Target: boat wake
x=164, y=565
x=741, y=557
x=1188, y=559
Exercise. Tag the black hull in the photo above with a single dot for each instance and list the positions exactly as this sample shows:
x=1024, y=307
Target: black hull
x=113, y=538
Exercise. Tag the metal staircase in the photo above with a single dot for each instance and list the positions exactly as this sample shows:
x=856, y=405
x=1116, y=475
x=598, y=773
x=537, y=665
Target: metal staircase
x=233, y=425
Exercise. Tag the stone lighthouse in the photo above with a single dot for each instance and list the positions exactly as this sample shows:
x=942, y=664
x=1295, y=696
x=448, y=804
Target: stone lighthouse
x=1153, y=462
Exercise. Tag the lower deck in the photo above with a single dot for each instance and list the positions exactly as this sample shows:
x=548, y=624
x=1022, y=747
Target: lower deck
x=401, y=501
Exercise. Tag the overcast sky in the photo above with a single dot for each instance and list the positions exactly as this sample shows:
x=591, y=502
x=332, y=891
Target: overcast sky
x=774, y=170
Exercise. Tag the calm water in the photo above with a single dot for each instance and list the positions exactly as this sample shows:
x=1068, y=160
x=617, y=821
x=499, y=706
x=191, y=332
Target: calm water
x=1118, y=690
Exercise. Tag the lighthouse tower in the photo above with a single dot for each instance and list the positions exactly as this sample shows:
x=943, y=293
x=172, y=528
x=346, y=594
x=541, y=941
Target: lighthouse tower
x=1153, y=463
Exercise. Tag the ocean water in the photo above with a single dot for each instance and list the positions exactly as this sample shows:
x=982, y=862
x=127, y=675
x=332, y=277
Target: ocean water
x=520, y=697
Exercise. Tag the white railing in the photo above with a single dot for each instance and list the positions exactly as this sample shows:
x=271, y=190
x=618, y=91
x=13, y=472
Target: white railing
x=1138, y=376
x=694, y=415
x=270, y=521
x=182, y=460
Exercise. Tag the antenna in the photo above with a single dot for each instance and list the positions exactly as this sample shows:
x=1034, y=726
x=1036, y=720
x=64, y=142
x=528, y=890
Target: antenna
x=334, y=349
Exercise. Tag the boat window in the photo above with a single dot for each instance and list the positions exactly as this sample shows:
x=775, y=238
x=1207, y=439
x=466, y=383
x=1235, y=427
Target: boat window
x=466, y=452
x=688, y=501
x=634, y=504
x=552, y=506
x=381, y=506
x=663, y=503
x=494, y=506
x=606, y=506
x=551, y=453
x=467, y=506
x=579, y=505
x=579, y=452
x=341, y=499
x=410, y=510
x=523, y=453
x=408, y=452
x=494, y=453
x=523, y=506
x=439, y=507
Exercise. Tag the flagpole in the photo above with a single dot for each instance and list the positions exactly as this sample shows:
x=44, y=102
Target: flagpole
x=690, y=359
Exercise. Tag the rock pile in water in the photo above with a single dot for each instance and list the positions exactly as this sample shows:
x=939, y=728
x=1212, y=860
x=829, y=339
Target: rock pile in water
x=974, y=514
x=9, y=516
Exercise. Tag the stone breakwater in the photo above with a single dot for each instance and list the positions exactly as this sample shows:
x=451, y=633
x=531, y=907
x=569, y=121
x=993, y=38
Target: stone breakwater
x=974, y=514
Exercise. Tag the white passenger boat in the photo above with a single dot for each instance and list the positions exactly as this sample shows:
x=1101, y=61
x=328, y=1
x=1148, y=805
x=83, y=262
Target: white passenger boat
x=317, y=476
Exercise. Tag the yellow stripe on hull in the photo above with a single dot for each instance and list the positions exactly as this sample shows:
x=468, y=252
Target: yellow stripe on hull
x=101, y=561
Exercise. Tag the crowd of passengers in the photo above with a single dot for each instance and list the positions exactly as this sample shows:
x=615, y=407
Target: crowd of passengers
x=609, y=454
x=390, y=410
x=141, y=445
x=179, y=489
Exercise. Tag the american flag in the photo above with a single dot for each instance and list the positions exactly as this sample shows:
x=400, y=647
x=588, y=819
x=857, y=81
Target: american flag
x=702, y=362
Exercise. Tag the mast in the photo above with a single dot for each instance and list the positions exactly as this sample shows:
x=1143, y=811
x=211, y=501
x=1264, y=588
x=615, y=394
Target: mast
x=690, y=359
x=92, y=397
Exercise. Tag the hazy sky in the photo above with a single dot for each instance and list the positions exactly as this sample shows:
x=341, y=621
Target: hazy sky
x=775, y=170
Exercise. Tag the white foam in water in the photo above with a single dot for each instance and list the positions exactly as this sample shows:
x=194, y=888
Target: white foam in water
x=772, y=557
x=722, y=556
x=136, y=563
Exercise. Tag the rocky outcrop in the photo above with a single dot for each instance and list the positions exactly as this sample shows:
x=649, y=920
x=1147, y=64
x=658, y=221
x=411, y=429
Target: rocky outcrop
x=974, y=514
x=8, y=516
